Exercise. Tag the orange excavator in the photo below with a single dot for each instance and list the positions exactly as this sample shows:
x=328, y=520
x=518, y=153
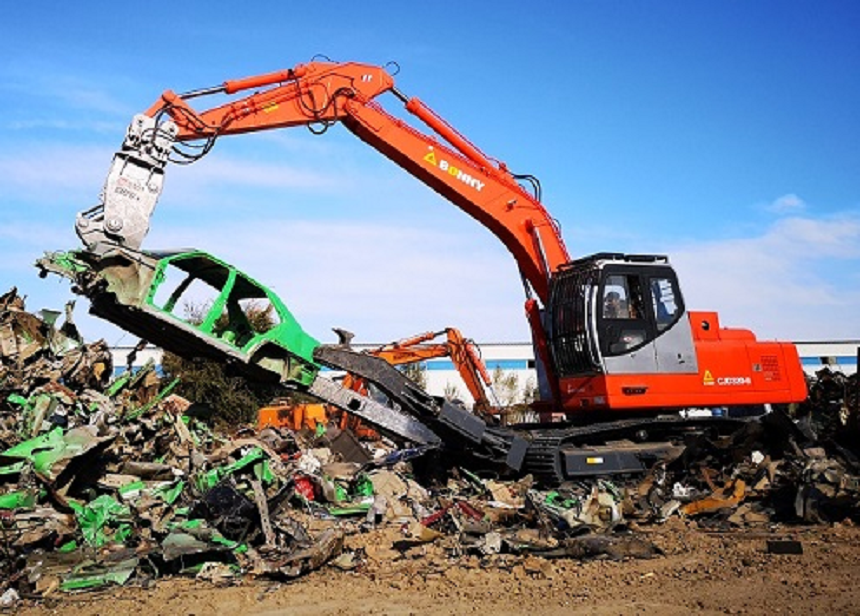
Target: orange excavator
x=614, y=340
x=462, y=351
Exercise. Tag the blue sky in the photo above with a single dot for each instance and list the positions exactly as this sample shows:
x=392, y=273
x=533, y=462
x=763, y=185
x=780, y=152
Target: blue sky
x=724, y=134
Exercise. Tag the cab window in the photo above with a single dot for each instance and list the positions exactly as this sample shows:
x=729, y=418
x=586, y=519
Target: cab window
x=621, y=297
x=664, y=302
x=624, y=325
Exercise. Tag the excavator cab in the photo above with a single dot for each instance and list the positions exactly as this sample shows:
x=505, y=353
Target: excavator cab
x=621, y=339
x=614, y=313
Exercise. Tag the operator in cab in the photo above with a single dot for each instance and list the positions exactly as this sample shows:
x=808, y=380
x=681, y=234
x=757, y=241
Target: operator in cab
x=614, y=307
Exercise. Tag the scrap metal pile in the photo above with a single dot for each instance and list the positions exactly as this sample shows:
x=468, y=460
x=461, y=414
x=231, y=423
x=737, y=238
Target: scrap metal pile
x=115, y=480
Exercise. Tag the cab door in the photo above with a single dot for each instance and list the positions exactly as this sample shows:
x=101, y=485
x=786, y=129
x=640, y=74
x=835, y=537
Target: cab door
x=674, y=348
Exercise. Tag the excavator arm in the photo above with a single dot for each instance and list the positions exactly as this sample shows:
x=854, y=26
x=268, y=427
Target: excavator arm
x=463, y=353
x=317, y=95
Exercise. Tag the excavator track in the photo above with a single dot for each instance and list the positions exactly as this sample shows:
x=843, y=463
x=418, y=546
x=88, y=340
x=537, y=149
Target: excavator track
x=622, y=447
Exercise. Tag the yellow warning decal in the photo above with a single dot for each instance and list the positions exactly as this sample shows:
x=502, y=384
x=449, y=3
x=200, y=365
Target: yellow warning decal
x=708, y=379
x=431, y=158
x=271, y=108
x=594, y=460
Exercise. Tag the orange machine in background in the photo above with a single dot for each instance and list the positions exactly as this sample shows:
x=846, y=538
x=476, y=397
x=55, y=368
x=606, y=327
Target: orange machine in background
x=295, y=416
x=463, y=352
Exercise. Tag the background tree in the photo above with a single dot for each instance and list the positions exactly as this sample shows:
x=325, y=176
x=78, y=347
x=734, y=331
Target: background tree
x=514, y=401
x=452, y=392
x=507, y=387
x=416, y=372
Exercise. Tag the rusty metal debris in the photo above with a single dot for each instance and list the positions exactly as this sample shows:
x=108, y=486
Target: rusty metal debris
x=113, y=480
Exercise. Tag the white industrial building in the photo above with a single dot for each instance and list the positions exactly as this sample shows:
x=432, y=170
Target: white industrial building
x=514, y=362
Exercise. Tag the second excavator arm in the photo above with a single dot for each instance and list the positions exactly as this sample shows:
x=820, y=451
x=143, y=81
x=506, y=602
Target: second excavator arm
x=463, y=352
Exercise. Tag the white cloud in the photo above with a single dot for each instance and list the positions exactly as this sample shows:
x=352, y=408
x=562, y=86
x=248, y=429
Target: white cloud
x=227, y=170
x=787, y=204
x=79, y=94
x=799, y=280
x=71, y=176
x=837, y=237
x=381, y=281
x=60, y=90
x=23, y=236
x=56, y=124
x=52, y=171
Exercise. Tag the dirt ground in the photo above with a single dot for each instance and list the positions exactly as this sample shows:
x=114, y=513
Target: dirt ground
x=700, y=571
